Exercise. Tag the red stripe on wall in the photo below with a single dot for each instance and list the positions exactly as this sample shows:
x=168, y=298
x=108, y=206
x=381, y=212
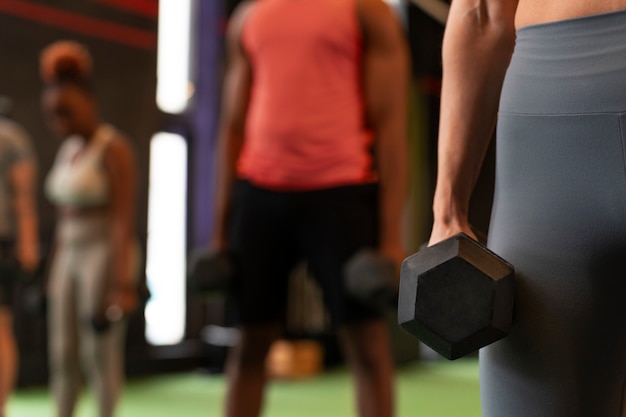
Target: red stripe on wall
x=148, y=8
x=73, y=22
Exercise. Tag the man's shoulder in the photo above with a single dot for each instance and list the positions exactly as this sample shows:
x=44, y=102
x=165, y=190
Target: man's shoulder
x=242, y=12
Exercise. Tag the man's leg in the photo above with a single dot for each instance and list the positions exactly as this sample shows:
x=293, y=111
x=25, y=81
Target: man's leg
x=245, y=370
x=336, y=224
x=263, y=251
x=8, y=357
x=368, y=352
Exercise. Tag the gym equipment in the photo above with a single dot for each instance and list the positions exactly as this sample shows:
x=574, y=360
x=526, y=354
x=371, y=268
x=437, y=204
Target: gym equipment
x=102, y=321
x=456, y=296
x=209, y=273
x=32, y=293
x=372, y=278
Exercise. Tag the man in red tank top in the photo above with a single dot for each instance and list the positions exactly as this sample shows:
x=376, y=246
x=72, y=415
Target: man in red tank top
x=312, y=164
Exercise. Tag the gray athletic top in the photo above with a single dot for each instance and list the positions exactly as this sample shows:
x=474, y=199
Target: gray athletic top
x=15, y=146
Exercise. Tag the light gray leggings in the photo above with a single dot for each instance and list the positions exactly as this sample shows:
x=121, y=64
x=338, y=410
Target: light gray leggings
x=559, y=217
x=76, y=283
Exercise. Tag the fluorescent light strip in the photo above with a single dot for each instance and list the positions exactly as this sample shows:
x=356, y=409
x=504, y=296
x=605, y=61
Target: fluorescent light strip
x=166, y=246
x=173, y=84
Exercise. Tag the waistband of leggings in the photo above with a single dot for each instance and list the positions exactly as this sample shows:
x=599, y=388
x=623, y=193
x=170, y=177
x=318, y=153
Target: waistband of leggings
x=568, y=66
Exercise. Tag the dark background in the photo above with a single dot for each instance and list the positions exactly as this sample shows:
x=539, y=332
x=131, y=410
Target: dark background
x=122, y=39
x=123, y=47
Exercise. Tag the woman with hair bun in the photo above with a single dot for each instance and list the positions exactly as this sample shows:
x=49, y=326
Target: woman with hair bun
x=94, y=259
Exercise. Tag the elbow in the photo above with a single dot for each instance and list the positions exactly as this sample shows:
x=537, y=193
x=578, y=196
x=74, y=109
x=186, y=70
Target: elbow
x=503, y=35
x=496, y=25
x=482, y=27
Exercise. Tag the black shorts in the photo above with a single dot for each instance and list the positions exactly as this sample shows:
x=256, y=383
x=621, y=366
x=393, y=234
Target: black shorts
x=271, y=231
x=9, y=272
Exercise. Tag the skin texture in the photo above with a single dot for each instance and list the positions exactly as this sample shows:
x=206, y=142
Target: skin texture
x=386, y=74
x=23, y=177
x=386, y=68
x=477, y=48
x=9, y=355
x=535, y=11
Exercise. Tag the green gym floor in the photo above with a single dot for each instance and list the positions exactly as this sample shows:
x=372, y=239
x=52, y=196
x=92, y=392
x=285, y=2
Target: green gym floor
x=437, y=388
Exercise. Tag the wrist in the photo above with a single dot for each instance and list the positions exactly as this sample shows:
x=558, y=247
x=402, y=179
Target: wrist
x=449, y=210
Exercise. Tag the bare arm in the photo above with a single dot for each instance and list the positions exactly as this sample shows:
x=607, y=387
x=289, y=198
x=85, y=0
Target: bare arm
x=477, y=47
x=386, y=83
x=120, y=166
x=235, y=96
x=23, y=177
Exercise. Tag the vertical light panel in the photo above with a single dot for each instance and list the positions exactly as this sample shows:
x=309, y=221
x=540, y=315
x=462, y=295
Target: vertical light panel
x=166, y=244
x=174, y=32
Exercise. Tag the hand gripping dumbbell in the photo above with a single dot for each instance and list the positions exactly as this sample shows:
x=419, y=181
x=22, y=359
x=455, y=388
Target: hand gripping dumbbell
x=456, y=296
x=102, y=321
x=107, y=315
x=209, y=273
x=371, y=278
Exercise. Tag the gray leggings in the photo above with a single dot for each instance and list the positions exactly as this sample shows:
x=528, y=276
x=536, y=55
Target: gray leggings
x=77, y=280
x=559, y=217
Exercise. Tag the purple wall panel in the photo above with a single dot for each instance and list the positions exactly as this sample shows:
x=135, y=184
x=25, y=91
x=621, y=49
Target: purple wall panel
x=205, y=118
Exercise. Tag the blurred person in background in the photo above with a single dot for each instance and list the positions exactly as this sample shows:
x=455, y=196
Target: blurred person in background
x=19, y=234
x=550, y=77
x=94, y=259
x=312, y=163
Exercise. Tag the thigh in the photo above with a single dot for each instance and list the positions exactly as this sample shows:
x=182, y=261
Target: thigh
x=263, y=251
x=562, y=226
x=62, y=314
x=93, y=276
x=565, y=354
x=333, y=225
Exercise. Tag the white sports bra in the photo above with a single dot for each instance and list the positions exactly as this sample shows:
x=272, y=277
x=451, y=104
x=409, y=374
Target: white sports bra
x=79, y=180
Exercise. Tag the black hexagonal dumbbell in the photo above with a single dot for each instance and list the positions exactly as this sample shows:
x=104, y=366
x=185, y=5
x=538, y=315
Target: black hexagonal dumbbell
x=456, y=296
x=371, y=278
x=209, y=273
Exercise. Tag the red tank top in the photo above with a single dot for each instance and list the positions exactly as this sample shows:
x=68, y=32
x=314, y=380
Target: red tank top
x=305, y=126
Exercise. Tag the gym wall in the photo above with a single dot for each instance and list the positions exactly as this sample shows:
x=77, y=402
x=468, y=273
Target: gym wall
x=122, y=39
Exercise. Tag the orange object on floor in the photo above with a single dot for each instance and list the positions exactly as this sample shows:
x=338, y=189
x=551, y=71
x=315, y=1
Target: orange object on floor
x=295, y=359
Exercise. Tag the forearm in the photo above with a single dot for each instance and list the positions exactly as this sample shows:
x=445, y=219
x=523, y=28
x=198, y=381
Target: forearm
x=235, y=97
x=27, y=231
x=120, y=165
x=27, y=224
x=386, y=79
x=392, y=151
x=476, y=53
x=122, y=244
x=229, y=148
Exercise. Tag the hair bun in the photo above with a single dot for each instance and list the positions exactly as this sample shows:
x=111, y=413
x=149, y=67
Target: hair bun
x=65, y=60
